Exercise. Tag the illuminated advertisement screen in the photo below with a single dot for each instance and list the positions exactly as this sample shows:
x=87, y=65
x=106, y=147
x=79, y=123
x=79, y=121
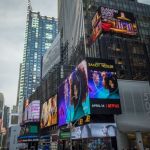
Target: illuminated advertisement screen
x=94, y=130
x=44, y=116
x=73, y=98
x=52, y=110
x=103, y=87
x=112, y=20
x=29, y=129
x=26, y=114
x=32, y=112
x=49, y=112
x=35, y=110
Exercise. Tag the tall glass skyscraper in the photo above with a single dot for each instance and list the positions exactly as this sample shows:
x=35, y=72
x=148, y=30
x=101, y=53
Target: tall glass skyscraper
x=40, y=33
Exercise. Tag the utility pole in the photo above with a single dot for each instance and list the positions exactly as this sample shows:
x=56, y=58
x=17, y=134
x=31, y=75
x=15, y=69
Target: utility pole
x=29, y=5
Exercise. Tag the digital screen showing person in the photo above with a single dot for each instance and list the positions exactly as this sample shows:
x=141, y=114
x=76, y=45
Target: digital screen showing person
x=49, y=113
x=114, y=21
x=63, y=102
x=103, y=85
x=73, y=98
x=79, y=92
x=94, y=130
x=44, y=116
x=52, y=111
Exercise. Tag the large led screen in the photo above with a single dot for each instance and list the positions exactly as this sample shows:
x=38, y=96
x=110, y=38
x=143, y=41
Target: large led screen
x=73, y=98
x=35, y=110
x=94, y=130
x=52, y=111
x=49, y=112
x=32, y=112
x=44, y=116
x=103, y=86
x=112, y=20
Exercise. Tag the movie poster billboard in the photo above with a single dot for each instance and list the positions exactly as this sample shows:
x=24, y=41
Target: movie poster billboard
x=94, y=130
x=44, y=116
x=52, y=110
x=73, y=98
x=114, y=21
x=49, y=113
x=32, y=111
x=91, y=88
x=103, y=87
x=35, y=110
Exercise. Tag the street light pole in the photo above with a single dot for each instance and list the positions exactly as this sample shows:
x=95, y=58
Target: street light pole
x=71, y=126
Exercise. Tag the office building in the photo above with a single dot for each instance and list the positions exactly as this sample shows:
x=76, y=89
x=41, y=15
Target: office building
x=5, y=125
x=83, y=26
x=39, y=35
x=101, y=32
x=13, y=133
x=1, y=105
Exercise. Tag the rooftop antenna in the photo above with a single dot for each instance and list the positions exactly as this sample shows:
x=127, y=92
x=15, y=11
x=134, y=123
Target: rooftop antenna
x=29, y=6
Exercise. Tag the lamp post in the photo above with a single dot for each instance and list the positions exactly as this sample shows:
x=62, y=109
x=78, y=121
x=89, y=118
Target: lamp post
x=71, y=126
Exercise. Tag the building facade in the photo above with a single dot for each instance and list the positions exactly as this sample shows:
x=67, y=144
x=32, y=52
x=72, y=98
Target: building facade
x=1, y=116
x=126, y=130
x=130, y=53
x=39, y=35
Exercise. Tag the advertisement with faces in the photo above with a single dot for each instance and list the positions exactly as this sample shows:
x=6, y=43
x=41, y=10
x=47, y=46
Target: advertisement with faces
x=103, y=87
x=49, y=113
x=113, y=21
x=94, y=130
x=32, y=111
x=73, y=98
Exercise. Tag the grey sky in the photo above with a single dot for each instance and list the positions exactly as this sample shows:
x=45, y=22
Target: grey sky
x=12, y=31
x=144, y=1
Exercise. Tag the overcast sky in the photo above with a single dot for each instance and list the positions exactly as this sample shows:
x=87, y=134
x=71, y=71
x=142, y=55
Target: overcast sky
x=144, y=1
x=12, y=30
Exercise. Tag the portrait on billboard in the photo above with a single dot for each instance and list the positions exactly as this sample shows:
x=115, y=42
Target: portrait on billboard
x=49, y=112
x=44, y=116
x=114, y=21
x=62, y=103
x=103, y=84
x=94, y=130
x=79, y=91
x=52, y=111
x=35, y=110
x=73, y=95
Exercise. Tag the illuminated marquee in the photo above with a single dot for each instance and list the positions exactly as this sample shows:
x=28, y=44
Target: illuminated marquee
x=101, y=65
x=103, y=86
x=111, y=20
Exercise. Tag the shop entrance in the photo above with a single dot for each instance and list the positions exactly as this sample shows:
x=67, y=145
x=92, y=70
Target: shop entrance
x=133, y=143
x=106, y=143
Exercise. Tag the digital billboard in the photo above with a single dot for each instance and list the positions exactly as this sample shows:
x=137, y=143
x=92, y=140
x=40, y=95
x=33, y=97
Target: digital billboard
x=73, y=98
x=91, y=88
x=32, y=112
x=35, y=110
x=103, y=86
x=94, y=130
x=49, y=112
x=112, y=20
x=44, y=116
